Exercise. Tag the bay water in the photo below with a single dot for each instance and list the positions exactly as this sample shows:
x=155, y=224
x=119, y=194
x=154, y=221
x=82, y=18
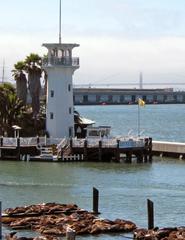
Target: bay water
x=124, y=188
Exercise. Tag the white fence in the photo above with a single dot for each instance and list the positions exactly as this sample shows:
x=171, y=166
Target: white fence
x=32, y=141
x=12, y=142
x=109, y=143
x=78, y=143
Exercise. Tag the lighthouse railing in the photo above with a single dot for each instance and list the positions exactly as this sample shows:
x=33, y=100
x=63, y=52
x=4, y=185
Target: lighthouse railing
x=61, y=61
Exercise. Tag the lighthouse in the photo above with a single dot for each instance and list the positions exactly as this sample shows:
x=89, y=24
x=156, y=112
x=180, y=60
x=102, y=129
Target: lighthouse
x=60, y=66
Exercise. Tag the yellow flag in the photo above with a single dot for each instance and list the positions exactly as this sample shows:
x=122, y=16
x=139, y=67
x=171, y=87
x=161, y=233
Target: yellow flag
x=141, y=102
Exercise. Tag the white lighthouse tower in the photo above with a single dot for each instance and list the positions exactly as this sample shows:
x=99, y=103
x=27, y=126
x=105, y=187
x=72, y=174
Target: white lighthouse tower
x=60, y=66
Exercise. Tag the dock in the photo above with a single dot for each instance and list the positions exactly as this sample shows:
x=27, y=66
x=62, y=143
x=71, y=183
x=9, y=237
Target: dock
x=122, y=149
x=113, y=149
x=169, y=149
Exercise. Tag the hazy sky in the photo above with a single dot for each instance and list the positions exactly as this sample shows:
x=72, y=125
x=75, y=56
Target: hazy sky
x=118, y=38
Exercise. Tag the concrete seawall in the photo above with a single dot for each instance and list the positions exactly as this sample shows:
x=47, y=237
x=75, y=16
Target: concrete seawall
x=168, y=149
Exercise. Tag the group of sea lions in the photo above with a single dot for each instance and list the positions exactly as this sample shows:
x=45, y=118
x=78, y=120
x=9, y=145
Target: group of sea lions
x=160, y=234
x=51, y=220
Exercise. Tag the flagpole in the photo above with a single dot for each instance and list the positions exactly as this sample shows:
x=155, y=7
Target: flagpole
x=141, y=103
x=60, y=22
x=138, y=120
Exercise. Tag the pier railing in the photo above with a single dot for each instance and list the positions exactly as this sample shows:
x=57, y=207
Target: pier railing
x=10, y=142
x=109, y=143
x=64, y=61
x=122, y=142
x=32, y=141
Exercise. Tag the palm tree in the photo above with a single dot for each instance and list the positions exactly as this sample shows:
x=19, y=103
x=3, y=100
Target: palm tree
x=21, y=81
x=33, y=64
x=11, y=108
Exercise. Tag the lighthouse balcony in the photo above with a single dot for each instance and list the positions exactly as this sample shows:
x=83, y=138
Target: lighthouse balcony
x=63, y=61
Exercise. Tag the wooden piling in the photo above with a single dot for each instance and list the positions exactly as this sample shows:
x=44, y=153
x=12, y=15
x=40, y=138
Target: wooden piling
x=71, y=143
x=38, y=140
x=85, y=151
x=150, y=209
x=70, y=234
x=128, y=157
x=145, y=155
x=100, y=151
x=150, y=149
x=0, y=220
x=62, y=154
x=139, y=157
x=118, y=152
x=95, y=200
x=1, y=141
x=18, y=149
x=1, y=144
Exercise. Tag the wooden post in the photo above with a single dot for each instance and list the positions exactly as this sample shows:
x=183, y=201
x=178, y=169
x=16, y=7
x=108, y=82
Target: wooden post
x=128, y=157
x=85, y=151
x=150, y=209
x=145, y=157
x=62, y=154
x=100, y=151
x=70, y=234
x=150, y=149
x=146, y=150
x=1, y=144
x=18, y=149
x=1, y=141
x=38, y=140
x=95, y=200
x=117, y=152
x=1, y=220
x=71, y=143
x=139, y=157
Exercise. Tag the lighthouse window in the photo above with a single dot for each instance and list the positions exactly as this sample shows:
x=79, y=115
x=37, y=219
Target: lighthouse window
x=69, y=87
x=51, y=115
x=52, y=93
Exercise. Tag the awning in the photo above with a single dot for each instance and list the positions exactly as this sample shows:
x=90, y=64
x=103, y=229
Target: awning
x=85, y=121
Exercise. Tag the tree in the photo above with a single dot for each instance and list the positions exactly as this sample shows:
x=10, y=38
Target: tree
x=33, y=68
x=21, y=81
x=11, y=108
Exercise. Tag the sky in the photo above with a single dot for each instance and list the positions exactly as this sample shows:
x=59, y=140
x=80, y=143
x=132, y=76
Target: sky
x=118, y=38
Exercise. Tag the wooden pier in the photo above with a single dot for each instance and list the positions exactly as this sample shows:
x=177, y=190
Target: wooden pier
x=113, y=149
x=123, y=149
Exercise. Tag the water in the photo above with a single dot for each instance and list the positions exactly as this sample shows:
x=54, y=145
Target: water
x=124, y=188
x=162, y=122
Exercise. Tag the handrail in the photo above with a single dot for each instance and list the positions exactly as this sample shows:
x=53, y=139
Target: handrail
x=63, y=61
x=124, y=142
x=109, y=143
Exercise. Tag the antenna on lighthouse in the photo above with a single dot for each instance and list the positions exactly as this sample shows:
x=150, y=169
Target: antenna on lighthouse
x=60, y=20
